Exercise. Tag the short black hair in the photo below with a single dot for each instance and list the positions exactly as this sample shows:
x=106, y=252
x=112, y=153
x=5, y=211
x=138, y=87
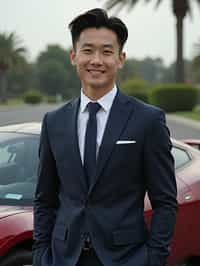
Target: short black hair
x=98, y=18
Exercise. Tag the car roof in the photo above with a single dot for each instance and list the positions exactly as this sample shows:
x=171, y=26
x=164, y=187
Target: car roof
x=29, y=128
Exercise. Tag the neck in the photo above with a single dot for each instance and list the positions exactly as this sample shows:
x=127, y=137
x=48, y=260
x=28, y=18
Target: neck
x=97, y=93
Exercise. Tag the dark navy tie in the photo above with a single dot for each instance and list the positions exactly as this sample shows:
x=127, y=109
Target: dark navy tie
x=91, y=142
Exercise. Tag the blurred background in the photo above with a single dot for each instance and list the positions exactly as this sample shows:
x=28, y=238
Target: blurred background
x=162, y=67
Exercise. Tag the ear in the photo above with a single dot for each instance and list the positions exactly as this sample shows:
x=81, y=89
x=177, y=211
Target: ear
x=72, y=55
x=122, y=58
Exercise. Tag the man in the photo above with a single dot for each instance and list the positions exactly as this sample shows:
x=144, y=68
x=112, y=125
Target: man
x=99, y=154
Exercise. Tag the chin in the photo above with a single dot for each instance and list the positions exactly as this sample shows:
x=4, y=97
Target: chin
x=96, y=84
x=100, y=84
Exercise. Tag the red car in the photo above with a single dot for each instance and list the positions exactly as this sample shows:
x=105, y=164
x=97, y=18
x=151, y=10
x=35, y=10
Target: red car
x=192, y=142
x=18, y=174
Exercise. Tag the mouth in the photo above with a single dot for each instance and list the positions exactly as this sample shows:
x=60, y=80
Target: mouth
x=96, y=71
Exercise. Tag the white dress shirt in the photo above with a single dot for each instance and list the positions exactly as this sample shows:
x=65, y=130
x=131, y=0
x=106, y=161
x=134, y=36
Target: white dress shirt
x=102, y=117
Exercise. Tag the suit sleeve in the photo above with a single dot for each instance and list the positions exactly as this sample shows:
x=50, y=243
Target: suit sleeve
x=162, y=190
x=46, y=195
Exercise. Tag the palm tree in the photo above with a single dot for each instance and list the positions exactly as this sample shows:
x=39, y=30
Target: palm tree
x=11, y=54
x=180, y=9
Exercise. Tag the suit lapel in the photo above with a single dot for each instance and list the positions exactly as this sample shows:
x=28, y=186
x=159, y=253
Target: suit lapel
x=117, y=120
x=72, y=139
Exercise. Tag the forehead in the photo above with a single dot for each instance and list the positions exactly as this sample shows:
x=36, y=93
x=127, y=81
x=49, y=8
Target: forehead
x=97, y=36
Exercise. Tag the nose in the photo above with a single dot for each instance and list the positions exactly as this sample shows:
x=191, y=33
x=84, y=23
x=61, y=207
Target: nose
x=96, y=59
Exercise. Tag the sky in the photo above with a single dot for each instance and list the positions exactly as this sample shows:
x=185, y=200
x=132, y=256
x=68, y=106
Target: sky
x=151, y=31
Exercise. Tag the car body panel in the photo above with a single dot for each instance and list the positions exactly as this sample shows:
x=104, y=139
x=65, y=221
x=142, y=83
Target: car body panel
x=29, y=128
x=192, y=142
x=10, y=210
x=15, y=228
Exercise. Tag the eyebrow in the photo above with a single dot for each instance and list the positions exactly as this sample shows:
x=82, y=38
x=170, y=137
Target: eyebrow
x=91, y=45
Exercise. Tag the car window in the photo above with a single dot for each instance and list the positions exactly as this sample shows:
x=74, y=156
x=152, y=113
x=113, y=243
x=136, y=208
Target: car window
x=181, y=157
x=4, y=155
x=18, y=167
x=8, y=152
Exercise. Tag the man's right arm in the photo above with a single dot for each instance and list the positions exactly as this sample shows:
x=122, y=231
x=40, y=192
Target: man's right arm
x=46, y=195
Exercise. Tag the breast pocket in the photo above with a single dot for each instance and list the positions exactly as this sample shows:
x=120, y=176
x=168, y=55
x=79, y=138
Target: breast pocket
x=125, y=154
x=125, y=147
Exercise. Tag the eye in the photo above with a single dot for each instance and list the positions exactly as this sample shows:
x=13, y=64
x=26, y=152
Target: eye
x=107, y=52
x=87, y=50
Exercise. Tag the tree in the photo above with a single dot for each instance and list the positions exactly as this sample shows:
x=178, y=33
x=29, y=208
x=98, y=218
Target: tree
x=11, y=54
x=53, y=78
x=20, y=79
x=149, y=69
x=57, y=58
x=128, y=71
x=180, y=9
x=196, y=60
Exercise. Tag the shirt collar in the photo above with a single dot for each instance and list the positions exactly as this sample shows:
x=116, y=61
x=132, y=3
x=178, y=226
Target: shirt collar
x=105, y=101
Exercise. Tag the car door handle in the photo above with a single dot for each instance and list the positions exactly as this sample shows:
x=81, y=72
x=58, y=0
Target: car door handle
x=187, y=197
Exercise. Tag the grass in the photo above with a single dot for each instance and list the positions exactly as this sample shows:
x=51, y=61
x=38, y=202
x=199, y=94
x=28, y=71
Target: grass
x=12, y=103
x=195, y=114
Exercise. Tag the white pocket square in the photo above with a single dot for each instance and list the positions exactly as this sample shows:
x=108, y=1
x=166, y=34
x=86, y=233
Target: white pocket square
x=125, y=142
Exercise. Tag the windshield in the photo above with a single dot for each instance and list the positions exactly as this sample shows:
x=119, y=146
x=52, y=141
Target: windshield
x=18, y=168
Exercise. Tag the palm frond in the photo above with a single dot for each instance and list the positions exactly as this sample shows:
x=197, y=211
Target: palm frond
x=158, y=3
x=119, y=4
x=11, y=49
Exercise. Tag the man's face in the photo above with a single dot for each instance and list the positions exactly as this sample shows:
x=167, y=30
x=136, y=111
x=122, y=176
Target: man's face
x=97, y=57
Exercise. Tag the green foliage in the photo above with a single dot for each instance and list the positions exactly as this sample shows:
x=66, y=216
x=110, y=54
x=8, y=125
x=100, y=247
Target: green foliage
x=19, y=78
x=134, y=84
x=53, y=77
x=195, y=74
x=149, y=69
x=137, y=88
x=174, y=97
x=168, y=75
x=11, y=54
x=51, y=99
x=128, y=71
x=56, y=74
x=198, y=98
x=32, y=97
x=11, y=51
x=194, y=114
x=142, y=95
x=54, y=53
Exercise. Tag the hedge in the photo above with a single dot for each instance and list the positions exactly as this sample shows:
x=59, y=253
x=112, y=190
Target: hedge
x=174, y=97
x=137, y=88
x=32, y=97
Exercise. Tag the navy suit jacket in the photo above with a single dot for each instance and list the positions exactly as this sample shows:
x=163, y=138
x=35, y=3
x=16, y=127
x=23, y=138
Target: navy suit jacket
x=112, y=210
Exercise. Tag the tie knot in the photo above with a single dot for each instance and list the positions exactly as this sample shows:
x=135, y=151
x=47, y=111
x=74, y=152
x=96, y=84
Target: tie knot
x=93, y=108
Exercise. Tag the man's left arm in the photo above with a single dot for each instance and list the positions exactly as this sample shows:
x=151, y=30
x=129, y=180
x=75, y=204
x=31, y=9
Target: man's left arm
x=161, y=188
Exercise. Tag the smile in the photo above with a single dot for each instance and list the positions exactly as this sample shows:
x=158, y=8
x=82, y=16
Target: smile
x=96, y=71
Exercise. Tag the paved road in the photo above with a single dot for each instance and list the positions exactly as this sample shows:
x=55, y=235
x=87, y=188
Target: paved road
x=24, y=113
x=178, y=129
